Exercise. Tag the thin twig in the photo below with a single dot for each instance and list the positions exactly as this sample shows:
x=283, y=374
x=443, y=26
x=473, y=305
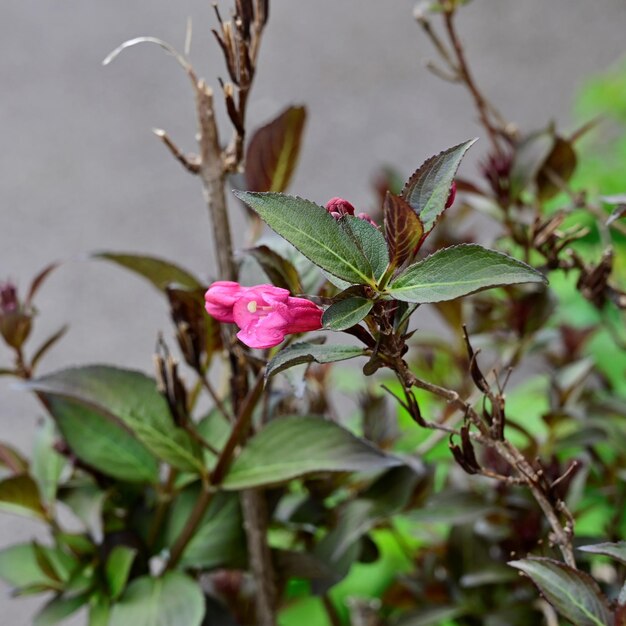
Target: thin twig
x=180, y=58
x=331, y=612
x=189, y=162
x=237, y=434
x=463, y=68
x=562, y=536
x=206, y=383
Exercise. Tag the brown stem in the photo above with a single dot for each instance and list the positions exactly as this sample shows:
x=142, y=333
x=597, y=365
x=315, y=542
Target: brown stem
x=238, y=433
x=333, y=616
x=193, y=521
x=255, y=515
x=162, y=506
x=562, y=534
x=190, y=163
x=213, y=177
x=481, y=104
x=206, y=383
x=214, y=164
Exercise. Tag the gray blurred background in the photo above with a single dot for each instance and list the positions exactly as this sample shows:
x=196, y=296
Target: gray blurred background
x=80, y=170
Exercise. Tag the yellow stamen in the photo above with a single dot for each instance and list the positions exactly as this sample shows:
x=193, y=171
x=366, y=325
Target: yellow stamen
x=252, y=306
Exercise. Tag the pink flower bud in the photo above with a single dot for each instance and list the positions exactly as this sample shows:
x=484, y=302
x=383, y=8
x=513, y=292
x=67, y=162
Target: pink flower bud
x=8, y=298
x=220, y=299
x=264, y=313
x=367, y=218
x=338, y=207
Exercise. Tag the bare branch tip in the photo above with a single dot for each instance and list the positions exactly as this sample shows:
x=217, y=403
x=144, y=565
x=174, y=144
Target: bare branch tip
x=130, y=43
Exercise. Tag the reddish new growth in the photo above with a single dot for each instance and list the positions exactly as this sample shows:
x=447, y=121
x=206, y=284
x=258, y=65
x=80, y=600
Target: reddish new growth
x=8, y=298
x=451, y=195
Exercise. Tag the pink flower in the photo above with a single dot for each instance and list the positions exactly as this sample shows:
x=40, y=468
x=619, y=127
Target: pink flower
x=220, y=299
x=264, y=313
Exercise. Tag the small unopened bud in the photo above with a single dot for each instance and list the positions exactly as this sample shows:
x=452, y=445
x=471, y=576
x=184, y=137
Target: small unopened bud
x=15, y=322
x=365, y=217
x=338, y=207
x=8, y=298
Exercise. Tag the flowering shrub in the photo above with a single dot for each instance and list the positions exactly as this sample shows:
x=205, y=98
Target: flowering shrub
x=260, y=499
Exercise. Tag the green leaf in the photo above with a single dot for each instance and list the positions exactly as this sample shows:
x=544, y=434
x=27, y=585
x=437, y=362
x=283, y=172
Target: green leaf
x=46, y=565
x=75, y=543
x=431, y=616
x=86, y=501
x=453, y=507
x=273, y=151
x=172, y=600
x=219, y=540
x=99, y=612
x=20, y=495
x=215, y=429
x=117, y=569
x=159, y=272
x=299, y=353
x=312, y=231
x=125, y=398
x=103, y=443
x=346, y=313
x=428, y=188
x=459, y=271
x=616, y=551
x=574, y=594
x=59, y=608
x=306, y=444
x=47, y=463
x=370, y=241
x=388, y=495
x=21, y=567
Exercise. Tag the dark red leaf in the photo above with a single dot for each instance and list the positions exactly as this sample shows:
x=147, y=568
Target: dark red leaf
x=557, y=169
x=279, y=270
x=403, y=229
x=273, y=151
x=38, y=281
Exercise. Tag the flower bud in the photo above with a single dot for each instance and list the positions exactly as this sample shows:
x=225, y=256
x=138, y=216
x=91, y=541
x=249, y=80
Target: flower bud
x=15, y=321
x=338, y=207
x=367, y=218
x=8, y=298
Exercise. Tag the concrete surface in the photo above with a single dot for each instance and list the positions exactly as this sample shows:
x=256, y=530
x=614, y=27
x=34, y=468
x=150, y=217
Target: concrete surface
x=80, y=170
